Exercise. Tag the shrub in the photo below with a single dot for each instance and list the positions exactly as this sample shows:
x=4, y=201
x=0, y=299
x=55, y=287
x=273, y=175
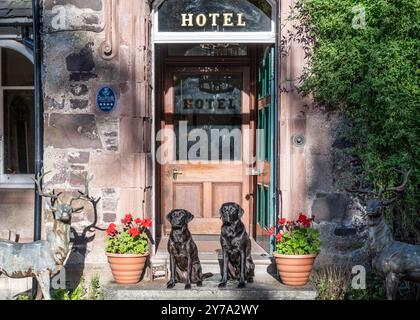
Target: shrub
x=371, y=75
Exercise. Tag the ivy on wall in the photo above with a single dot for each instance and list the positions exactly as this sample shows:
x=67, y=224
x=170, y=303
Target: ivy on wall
x=364, y=62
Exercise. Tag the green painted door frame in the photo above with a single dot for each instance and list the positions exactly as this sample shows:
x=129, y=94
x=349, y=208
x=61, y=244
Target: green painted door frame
x=265, y=146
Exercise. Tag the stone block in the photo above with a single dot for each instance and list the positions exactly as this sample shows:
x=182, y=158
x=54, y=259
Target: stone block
x=131, y=170
x=105, y=169
x=109, y=217
x=319, y=170
x=330, y=207
x=131, y=200
x=109, y=204
x=131, y=140
x=319, y=135
x=73, y=15
x=108, y=128
x=72, y=131
x=95, y=5
x=78, y=157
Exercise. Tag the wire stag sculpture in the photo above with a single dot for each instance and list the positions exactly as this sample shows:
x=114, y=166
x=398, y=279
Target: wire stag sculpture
x=393, y=260
x=44, y=259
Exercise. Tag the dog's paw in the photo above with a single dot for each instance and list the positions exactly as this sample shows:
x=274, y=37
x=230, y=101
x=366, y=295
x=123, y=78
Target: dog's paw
x=241, y=285
x=222, y=285
x=187, y=286
x=170, y=285
x=199, y=284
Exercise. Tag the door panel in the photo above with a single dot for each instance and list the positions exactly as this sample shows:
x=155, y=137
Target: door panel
x=207, y=110
x=184, y=192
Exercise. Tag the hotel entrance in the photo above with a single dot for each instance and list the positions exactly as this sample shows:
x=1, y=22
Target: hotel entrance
x=215, y=116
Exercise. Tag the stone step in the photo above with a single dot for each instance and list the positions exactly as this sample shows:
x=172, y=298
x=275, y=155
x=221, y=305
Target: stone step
x=211, y=262
x=267, y=289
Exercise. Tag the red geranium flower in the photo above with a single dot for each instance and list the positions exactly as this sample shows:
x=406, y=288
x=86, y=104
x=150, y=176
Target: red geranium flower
x=127, y=219
x=279, y=236
x=147, y=223
x=111, y=229
x=303, y=219
x=270, y=231
x=134, y=232
x=282, y=221
x=138, y=221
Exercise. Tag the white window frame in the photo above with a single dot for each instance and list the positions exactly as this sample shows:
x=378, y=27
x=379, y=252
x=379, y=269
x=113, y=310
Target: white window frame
x=15, y=181
x=212, y=36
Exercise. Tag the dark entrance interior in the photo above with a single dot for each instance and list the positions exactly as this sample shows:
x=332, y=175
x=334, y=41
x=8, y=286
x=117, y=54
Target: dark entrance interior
x=209, y=86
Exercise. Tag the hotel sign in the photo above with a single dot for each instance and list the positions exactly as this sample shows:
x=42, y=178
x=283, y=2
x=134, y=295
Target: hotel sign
x=213, y=20
x=214, y=16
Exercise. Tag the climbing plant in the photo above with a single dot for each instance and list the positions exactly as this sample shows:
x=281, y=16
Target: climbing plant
x=363, y=60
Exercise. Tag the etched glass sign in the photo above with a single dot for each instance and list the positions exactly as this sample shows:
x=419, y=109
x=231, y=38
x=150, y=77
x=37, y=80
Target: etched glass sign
x=208, y=94
x=214, y=16
x=210, y=105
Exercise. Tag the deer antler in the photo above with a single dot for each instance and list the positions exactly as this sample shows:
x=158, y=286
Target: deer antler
x=38, y=182
x=360, y=189
x=400, y=189
x=85, y=195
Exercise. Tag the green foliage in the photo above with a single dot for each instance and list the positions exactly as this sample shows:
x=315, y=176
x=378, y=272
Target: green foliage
x=81, y=292
x=95, y=289
x=331, y=282
x=299, y=241
x=371, y=74
x=125, y=243
x=334, y=283
x=375, y=289
x=23, y=297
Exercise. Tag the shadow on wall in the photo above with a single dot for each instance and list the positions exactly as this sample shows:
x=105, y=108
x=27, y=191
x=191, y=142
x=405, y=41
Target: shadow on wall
x=330, y=167
x=80, y=241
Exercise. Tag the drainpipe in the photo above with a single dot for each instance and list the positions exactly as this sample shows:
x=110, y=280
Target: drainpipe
x=39, y=131
x=38, y=114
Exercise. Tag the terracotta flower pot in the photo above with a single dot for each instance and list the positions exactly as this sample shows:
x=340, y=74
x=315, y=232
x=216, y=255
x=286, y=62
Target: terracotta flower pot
x=294, y=270
x=127, y=268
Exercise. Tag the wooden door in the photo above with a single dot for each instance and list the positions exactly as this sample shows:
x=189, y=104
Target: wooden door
x=199, y=175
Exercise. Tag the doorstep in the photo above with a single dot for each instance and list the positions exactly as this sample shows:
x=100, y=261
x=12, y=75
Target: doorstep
x=267, y=289
x=210, y=254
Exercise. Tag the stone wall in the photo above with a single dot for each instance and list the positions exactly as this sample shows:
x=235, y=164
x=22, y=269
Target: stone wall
x=329, y=169
x=78, y=138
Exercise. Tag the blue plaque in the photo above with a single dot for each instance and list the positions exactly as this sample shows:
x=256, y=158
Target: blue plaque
x=105, y=99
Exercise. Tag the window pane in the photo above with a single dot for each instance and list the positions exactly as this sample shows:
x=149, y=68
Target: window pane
x=19, y=131
x=214, y=16
x=208, y=116
x=208, y=94
x=208, y=50
x=16, y=69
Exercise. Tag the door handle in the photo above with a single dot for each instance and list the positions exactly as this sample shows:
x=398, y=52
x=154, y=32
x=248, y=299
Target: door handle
x=256, y=172
x=175, y=173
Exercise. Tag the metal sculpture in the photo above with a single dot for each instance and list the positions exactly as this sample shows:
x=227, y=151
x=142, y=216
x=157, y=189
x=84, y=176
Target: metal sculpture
x=44, y=259
x=393, y=260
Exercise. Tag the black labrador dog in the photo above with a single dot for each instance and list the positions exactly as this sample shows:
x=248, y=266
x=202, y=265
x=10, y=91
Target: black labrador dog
x=236, y=246
x=185, y=265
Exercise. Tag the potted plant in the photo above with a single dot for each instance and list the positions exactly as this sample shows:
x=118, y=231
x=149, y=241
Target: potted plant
x=127, y=248
x=297, y=245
